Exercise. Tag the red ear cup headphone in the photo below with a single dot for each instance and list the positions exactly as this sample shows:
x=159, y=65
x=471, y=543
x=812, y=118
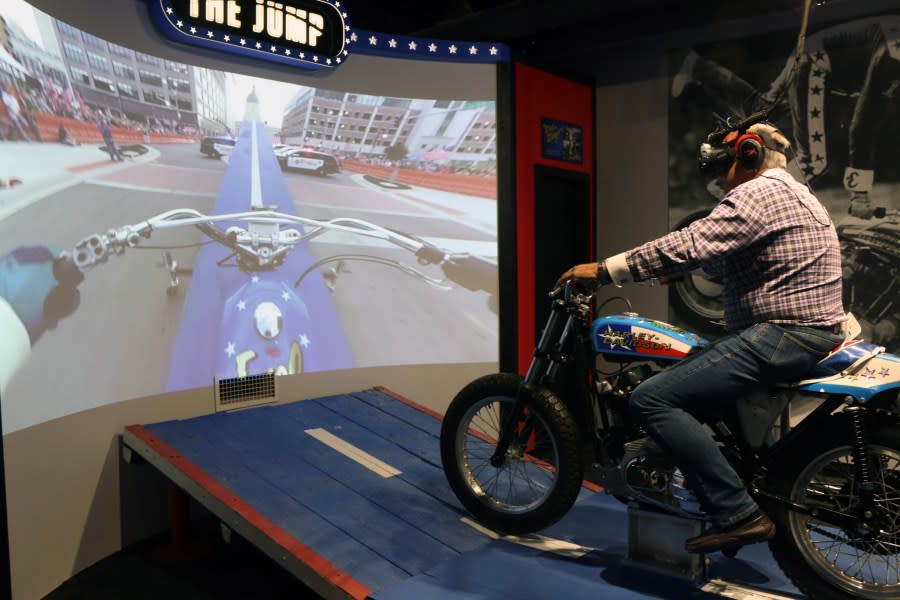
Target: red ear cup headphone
x=749, y=151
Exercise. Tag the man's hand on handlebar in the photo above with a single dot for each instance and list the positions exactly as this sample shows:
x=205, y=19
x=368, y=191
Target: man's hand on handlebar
x=41, y=286
x=595, y=272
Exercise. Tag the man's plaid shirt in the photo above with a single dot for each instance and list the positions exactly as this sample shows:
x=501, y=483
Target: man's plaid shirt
x=770, y=242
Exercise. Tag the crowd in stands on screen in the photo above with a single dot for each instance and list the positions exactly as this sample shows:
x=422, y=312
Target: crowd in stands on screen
x=23, y=100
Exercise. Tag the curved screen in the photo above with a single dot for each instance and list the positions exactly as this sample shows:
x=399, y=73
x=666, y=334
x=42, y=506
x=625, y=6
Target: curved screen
x=228, y=224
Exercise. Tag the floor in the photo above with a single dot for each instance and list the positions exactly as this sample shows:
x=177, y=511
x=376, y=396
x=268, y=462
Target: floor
x=220, y=571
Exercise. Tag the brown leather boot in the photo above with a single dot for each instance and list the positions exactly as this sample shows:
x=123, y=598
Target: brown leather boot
x=757, y=528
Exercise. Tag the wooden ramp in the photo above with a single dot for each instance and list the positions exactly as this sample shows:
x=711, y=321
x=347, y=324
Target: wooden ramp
x=347, y=493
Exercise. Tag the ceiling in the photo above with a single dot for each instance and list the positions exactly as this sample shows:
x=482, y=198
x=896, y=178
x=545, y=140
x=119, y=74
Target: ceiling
x=549, y=33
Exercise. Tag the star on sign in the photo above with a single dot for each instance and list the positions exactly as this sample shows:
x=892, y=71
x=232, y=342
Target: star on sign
x=453, y=49
x=229, y=349
x=338, y=60
x=353, y=36
x=241, y=305
x=315, y=58
x=209, y=34
x=179, y=23
x=193, y=30
x=243, y=42
x=412, y=46
x=303, y=55
x=373, y=41
x=287, y=51
x=304, y=341
x=392, y=43
x=227, y=38
x=258, y=45
x=169, y=11
x=273, y=49
x=494, y=50
x=473, y=50
x=432, y=47
x=328, y=61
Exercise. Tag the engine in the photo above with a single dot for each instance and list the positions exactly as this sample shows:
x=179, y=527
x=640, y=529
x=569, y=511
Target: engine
x=648, y=475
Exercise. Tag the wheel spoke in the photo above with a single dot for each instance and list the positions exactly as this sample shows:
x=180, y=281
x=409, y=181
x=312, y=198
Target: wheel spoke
x=527, y=475
x=862, y=562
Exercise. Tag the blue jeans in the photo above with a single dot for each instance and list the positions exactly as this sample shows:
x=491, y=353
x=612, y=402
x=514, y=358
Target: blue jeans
x=705, y=383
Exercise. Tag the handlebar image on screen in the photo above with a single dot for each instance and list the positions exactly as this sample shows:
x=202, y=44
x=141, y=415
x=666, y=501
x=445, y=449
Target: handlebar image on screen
x=298, y=230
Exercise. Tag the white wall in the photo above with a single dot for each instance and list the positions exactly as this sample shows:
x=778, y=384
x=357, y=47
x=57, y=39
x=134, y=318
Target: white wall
x=632, y=172
x=62, y=478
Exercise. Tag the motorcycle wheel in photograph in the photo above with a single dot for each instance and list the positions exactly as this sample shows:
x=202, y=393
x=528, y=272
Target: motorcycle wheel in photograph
x=541, y=472
x=825, y=560
x=697, y=301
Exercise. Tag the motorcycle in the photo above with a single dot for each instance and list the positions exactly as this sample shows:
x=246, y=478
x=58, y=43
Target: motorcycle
x=265, y=322
x=514, y=452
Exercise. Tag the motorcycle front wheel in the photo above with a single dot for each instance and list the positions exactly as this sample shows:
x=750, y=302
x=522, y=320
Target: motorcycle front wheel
x=828, y=561
x=541, y=472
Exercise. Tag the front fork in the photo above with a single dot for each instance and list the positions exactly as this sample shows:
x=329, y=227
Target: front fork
x=544, y=365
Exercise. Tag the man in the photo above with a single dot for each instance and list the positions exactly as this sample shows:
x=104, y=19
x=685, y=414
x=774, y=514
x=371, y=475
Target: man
x=111, y=147
x=775, y=249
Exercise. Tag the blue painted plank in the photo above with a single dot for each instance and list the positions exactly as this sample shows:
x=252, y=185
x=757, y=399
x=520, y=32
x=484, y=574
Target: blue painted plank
x=421, y=436
x=401, y=495
x=228, y=468
x=391, y=406
x=276, y=454
x=420, y=495
x=504, y=570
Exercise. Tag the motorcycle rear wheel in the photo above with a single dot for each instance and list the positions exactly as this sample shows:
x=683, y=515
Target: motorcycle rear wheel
x=827, y=561
x=542, y=472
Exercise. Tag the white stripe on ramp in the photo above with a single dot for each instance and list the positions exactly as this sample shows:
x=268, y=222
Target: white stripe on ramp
x=353, y=453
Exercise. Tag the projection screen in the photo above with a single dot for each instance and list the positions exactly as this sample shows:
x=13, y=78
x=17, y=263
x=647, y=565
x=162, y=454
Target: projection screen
x=385, y=168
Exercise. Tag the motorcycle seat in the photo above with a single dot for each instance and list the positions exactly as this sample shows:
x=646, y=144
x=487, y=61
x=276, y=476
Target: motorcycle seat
x=844, y=359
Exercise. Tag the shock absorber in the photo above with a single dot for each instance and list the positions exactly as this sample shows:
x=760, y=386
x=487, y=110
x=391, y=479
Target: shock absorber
x=863, y=467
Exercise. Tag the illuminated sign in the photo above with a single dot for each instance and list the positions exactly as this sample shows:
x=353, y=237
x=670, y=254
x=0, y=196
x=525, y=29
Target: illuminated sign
x=312, y=34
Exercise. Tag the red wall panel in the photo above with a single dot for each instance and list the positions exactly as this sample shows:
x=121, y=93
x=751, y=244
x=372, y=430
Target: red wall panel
x=540, y=95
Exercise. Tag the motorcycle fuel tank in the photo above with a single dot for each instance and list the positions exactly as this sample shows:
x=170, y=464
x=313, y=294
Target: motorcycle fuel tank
x=630, y=335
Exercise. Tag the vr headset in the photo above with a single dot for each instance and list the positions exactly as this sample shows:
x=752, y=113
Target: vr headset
x=748, y=149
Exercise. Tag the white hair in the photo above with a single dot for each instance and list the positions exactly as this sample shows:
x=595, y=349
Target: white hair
x=776, y=143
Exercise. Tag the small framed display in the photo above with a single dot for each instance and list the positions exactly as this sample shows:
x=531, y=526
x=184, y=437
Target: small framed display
x=561, y=141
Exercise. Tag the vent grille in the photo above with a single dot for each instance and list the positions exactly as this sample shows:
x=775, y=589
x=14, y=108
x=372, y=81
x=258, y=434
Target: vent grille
x=241, y=392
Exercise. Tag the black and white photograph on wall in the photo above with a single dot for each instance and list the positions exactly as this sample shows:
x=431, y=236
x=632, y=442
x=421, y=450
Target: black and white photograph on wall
x=837, y=102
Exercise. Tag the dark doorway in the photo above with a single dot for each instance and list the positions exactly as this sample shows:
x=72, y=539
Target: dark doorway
x=562, y=234
x=562, y=230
